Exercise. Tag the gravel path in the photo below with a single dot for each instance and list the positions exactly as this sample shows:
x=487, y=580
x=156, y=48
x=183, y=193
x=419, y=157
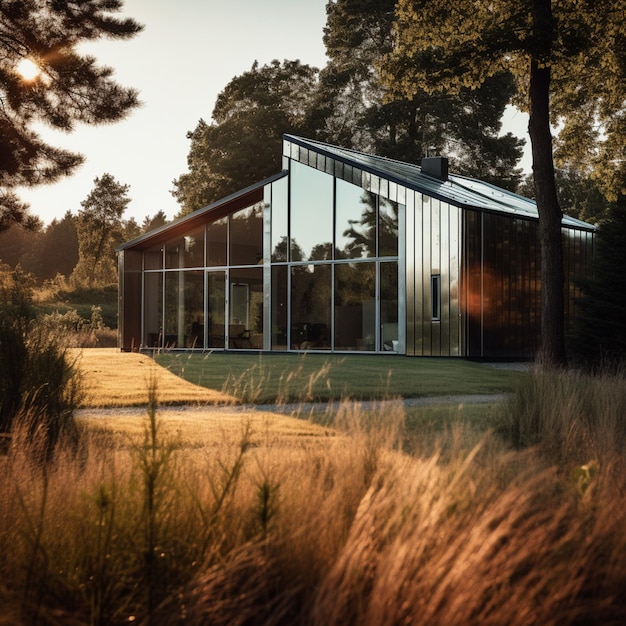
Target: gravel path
x=287, y=409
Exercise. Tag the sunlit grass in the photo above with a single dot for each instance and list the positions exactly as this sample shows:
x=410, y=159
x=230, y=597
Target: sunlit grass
x=384, y=516
x=114, y=378
x=372, y=513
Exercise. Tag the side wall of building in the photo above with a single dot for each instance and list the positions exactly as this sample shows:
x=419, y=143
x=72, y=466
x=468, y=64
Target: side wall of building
x=129, y=299
x=501, y=286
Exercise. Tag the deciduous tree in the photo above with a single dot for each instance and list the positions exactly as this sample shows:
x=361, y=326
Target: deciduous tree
x=569, y=61
x=242, y=143
x=44, y=77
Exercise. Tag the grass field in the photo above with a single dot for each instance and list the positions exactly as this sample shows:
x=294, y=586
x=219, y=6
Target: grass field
x=317, y=377
x=114, y=379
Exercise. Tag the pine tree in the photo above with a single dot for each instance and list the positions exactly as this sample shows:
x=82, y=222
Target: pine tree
x=45, y=78
x=99, y=227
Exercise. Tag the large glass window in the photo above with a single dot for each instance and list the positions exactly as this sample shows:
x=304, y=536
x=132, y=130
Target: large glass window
x=216, y=304
x=279, y=307
x=355, y=306
x=355, y=218
x=153, y=309
x=193, y=248
x=310, y=307
x=331, y=287
x=184, y=309
x=216, y=243
x=387, y=227
x=389, y=306
x=193, y=318
x=188, y=251
x=174, y=254
x=246, y=308
x=153, y=258
x=246, y=236
x=280, y=220
x=312, y=219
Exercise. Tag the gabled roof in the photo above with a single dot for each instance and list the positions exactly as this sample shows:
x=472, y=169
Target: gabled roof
x=460, y=191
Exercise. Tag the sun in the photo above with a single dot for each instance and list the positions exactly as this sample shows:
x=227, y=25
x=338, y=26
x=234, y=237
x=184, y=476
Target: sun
x=28, y=69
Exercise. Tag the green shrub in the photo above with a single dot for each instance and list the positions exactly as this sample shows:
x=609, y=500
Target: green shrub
x=38, y=381
x=79, y=332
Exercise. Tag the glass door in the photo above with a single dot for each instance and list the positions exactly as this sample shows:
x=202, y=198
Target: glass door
x=216, y=313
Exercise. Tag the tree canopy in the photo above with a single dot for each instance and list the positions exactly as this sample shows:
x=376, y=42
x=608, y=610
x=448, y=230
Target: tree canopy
x=353, y=110
x=582, y=42
x=344, y=104
x=601, y=333
x=45, y=78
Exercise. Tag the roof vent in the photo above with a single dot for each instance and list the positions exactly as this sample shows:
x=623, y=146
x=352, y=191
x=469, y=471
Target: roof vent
x=436, y=167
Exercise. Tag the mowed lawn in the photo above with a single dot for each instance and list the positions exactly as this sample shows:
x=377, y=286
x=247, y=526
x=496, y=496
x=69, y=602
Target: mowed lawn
x=272, y=378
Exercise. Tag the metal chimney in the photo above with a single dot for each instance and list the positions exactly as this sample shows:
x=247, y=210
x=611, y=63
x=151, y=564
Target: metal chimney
x=437, y=167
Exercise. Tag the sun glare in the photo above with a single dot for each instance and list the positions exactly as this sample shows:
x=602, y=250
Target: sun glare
x=27, y=69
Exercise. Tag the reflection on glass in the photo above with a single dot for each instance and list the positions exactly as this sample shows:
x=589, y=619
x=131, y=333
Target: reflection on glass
x=184, y=309
x=279, y=307
x=193, y=318
x=279, y=220
x=216, y=243
x=355, y=217
x=174, y=257
x=193, y=248
x=216, y=328
x=388, y=227
x=312, y=222
x=310, y=307
x=153, y=258
x=389, y=306
x=153, y=309
x=245, y=328
x=246, y=236
x=355, y=306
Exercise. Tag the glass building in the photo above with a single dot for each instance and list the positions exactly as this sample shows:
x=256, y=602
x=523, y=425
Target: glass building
x=344, y=252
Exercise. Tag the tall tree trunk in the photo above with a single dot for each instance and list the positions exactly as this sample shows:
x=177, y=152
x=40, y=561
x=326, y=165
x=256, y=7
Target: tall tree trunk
x=552, y=277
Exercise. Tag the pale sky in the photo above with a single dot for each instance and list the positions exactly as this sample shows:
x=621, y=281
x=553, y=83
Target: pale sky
x=188, y=52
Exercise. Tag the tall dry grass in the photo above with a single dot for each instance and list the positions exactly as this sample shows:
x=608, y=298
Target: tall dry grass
x=572, y=416
x=349, y=529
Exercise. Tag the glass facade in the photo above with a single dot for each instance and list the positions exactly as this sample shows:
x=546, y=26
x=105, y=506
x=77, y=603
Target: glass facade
x=324, y=250
x=219, y=303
